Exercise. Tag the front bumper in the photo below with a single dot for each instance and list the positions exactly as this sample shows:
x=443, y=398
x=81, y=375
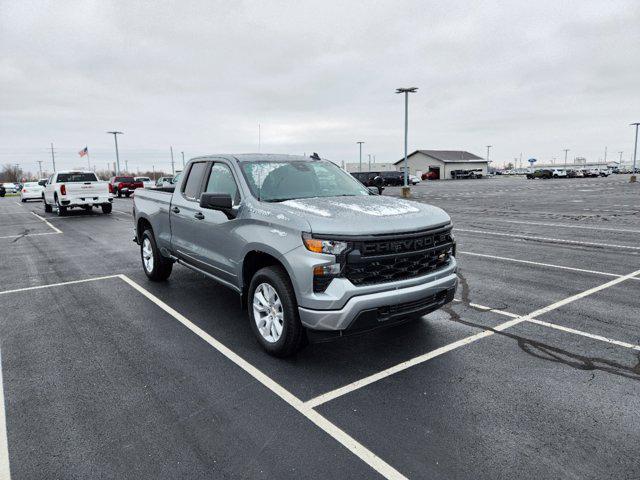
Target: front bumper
x=383, y=307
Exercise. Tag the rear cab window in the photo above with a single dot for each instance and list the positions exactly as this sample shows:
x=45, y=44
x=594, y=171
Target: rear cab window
x=193, y=186
x=76, y=177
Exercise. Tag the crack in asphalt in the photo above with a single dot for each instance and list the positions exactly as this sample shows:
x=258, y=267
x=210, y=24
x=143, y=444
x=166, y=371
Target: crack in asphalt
x=545, y=351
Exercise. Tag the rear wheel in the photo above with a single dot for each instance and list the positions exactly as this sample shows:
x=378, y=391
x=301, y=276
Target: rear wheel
x=155, y=266
x=61, y=210
x=128, y=194
x=273, y=312
x=106, y=208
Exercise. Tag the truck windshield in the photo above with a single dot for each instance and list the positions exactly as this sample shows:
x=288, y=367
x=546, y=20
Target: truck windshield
x=280, y=181
x=76, y=177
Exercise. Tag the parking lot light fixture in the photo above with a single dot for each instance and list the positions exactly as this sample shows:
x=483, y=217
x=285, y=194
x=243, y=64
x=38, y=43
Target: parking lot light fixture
x=115, y=139
x=406, y=92
x=635, y=153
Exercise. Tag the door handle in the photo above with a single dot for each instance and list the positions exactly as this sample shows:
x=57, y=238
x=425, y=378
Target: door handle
x=199, y=215
x=175, y=210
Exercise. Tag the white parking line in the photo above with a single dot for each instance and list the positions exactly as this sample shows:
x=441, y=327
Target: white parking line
x=539, y=264
x=333, y=394
x=57, y=230
x=559, y=327
x=332, y=430
x=4, y=445
x=30, y=235
x=548, y=239
x=71, y=282
x=559, y=225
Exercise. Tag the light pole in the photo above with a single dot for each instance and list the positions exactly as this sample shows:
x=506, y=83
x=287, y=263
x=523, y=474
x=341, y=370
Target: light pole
x=53, y=158
x=360, y=164
x=115, y=139
x=173, y=168
x=369, y=162
x=635, y=152
x=182, y=160
x=488, y=147
x=566, y=151
x=406, y=92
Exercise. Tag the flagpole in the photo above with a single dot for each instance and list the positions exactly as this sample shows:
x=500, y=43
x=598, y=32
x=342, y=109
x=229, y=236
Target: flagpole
x=88, y=160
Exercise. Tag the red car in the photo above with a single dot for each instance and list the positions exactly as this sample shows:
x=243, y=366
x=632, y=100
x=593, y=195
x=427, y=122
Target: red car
x=124, y=185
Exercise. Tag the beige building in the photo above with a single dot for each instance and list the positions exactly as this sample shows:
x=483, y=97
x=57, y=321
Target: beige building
x=445, y=163
x=375, y=166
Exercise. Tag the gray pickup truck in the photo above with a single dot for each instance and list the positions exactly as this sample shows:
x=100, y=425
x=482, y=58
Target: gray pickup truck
x=306, y=246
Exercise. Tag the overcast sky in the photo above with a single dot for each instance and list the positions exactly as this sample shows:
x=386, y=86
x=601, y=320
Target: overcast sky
x=533, y=77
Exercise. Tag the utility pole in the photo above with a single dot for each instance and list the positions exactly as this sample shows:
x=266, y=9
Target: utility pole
x=635, y=152
x=126, y=166
x=605, y=154
x=488, y=147
x=115, y=134
x=182, y=160
x=173, y=168
x=620, y=162
x=153, y=169
x=566, y=151
x=360, y=164
x=374, y=159
x=259, y=138
x=406, y=91
x=53, y=158
x=520, y=159
x=369, y=162
x=40, y=169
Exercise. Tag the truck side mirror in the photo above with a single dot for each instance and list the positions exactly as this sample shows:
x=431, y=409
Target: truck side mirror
x=218, y=201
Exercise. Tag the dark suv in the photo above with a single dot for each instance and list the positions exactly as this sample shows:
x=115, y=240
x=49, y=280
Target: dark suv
x=370, y=179
x=541, y=173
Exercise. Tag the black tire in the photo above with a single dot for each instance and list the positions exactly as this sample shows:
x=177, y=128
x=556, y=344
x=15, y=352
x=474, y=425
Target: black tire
x=162, y=266
x=106, y=208
x=60, y=210
x=293, y=335
x=47, y=207
x=128, y=194
x=119, y=193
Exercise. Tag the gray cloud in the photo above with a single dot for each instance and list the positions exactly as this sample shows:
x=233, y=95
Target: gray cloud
x=531, y=77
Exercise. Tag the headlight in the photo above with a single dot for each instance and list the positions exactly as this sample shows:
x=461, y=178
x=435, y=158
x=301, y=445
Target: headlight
x=317, y=245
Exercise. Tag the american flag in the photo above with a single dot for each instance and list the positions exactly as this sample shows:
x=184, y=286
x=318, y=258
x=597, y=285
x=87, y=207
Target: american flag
x=83, y=152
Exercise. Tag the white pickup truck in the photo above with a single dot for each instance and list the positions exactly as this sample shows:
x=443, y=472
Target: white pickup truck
x=69, y=189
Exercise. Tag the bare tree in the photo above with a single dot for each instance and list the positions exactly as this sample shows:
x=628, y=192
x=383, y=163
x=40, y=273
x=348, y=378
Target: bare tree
x=11, y=173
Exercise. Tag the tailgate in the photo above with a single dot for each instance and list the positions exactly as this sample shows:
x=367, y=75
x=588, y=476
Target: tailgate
x=87, y=189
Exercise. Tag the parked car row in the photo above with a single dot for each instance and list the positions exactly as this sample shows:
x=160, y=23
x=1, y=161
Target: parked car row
x=546, y=173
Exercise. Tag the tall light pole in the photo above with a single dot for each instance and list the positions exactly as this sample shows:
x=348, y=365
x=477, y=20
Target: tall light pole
x=115, y=139
x=635, y=152
x=53, y=158
x=605, y=154
x=182, y=160
x=40, y=169
x=173, y=168
x=369, y=162
x=360, y=164
x=488, y=147
x=566, y=151
x=620, y=162
x=406, y=92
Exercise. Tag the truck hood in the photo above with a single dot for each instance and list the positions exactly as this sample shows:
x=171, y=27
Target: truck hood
x=366, y=214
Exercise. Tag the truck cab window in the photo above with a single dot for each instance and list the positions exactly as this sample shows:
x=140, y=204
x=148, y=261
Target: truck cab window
x=221, y=181
x=191, y=189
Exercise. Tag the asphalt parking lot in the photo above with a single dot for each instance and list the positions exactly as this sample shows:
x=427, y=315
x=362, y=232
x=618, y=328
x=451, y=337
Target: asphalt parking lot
x=533, y=372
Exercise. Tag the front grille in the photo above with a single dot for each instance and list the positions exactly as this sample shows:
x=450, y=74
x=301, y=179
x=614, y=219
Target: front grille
x=410, y=255
x=413, y=306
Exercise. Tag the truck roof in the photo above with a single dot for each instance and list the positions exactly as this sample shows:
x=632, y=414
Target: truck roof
x=258, y=157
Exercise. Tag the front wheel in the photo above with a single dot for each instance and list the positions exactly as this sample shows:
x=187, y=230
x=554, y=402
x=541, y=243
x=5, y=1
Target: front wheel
x=47, y=207
x=155, y=266
x=106, y=208
x=273, y=312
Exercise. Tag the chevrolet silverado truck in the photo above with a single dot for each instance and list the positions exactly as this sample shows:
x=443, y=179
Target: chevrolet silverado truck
x=307, y=247
x=76, y=189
